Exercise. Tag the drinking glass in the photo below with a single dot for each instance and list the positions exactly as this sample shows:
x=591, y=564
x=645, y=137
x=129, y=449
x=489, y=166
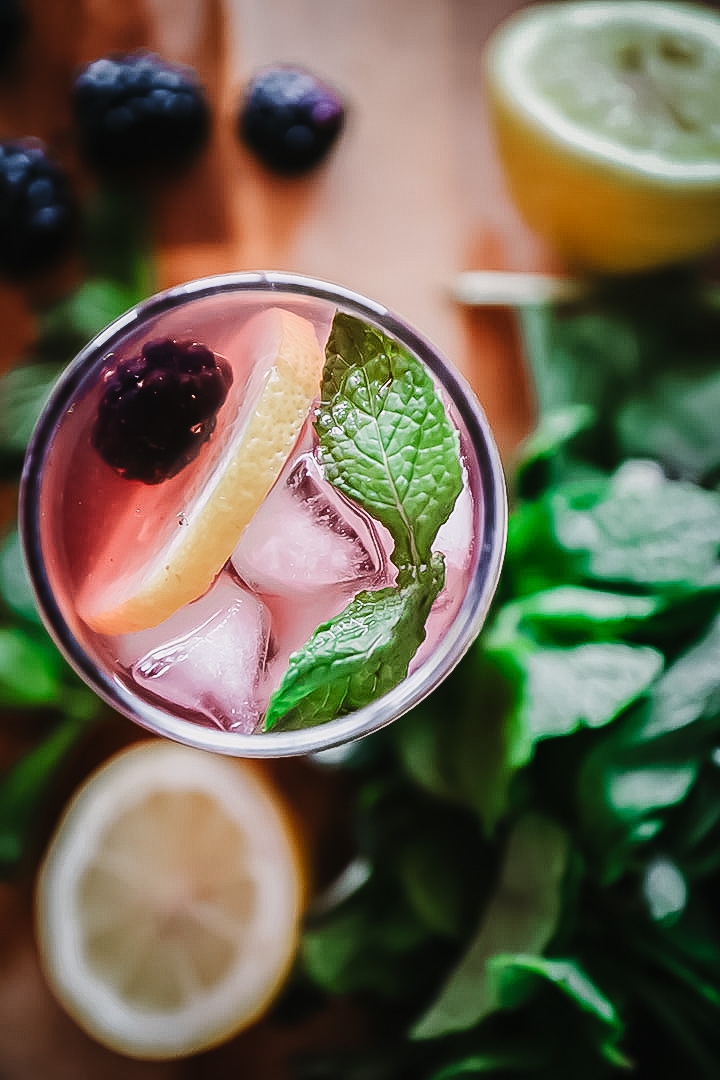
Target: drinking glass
x=71, y=502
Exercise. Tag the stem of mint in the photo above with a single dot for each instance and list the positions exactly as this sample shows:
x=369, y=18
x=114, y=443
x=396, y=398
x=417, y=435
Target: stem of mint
x=385, y=442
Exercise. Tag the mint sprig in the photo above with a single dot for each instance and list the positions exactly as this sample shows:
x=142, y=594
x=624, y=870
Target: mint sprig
x=386, y=442
x=357, y=656
x=385, y=439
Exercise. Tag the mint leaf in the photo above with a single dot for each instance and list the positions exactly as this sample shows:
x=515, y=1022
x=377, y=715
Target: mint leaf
x=502, y=1060
x=521, y=918
x=15, y=588
x=665, y=889
x=117, y=239
x=463, y=752
x=542, y=455
x=552, y=432
x=79, y=316
x=385, y=440
x=570, y=611
x=357, y=656
x=651, y=760
x=584, y=686
x=24, y=787
x=31, y=669
x=362, y=947
x=579, y=358
x=23, y=393
x=516, y=974
x=644, y=529
x=634, y=527
x=638, y=345
x=689, y=692
x=427, y=870
x=674, y=421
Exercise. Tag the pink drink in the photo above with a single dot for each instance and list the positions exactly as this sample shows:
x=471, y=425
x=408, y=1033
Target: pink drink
x=204, y=675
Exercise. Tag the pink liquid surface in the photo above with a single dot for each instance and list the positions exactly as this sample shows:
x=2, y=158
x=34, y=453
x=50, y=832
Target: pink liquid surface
x=303, y=557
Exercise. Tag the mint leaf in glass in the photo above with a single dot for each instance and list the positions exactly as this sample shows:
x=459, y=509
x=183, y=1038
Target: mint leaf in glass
x=386, y=442
x=385, y=439
x=357, y=656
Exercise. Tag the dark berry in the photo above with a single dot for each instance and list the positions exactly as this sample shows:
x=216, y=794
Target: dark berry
x=137, y=111
x=290, y=118
x=12, y=25
x=159, y=408
x=37, y=209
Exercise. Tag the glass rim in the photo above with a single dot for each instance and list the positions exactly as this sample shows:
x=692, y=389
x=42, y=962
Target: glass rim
x=411, y=690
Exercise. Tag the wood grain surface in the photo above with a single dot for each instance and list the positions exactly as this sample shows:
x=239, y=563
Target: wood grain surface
x=410, y=195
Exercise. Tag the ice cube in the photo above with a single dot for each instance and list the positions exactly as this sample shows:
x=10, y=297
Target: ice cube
x=205, y=660
x=307, y=536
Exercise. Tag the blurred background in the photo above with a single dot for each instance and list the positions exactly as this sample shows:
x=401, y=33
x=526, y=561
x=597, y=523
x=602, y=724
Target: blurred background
x=409, y=196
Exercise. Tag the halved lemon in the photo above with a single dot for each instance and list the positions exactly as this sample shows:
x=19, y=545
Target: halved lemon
x=607, y=118
x=169, y=901
x=135, y=586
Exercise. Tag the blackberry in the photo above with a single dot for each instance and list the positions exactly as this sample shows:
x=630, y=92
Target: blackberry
x=290, y=118
x=136, y=110
x=158, y=409
x=37, y=208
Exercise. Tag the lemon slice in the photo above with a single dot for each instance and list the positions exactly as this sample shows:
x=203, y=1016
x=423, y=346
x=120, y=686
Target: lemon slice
x=132, y=588
x=169, y=901
x=607, y=117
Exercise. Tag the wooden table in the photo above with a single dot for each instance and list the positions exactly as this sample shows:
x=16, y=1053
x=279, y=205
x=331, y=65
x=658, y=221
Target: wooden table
x=410, y=196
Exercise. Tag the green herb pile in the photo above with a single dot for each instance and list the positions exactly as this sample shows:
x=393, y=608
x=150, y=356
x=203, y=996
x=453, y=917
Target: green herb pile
x=537, y=873
x=35, y=682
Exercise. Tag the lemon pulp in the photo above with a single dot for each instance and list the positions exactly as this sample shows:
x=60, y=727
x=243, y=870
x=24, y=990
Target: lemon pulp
x=607, y=120
x=169, y=901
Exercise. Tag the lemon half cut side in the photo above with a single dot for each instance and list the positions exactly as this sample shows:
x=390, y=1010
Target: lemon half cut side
x=256, y=443
x=168, y=904
x=607, y=121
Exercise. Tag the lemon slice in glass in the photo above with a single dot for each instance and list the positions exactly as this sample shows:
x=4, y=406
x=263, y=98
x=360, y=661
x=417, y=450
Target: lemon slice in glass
x=607, y=118
x=132, y=588
x=169, y=901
